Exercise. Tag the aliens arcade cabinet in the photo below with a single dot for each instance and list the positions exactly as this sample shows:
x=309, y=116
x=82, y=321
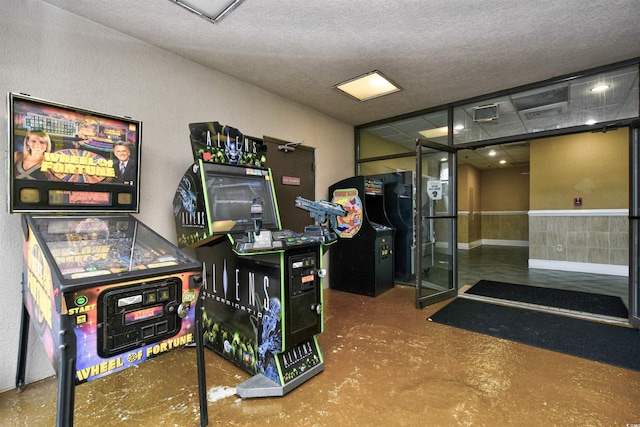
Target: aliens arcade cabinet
x=263, y=285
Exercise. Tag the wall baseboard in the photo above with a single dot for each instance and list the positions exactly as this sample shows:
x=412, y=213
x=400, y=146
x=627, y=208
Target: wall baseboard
x=580, y=212
x=492, y=242
x=497, y=242
x=582, y=267
x=470, y=245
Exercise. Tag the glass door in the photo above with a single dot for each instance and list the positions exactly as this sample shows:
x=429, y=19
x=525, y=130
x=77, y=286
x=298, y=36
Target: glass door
x=634, y=225
x=436, y=223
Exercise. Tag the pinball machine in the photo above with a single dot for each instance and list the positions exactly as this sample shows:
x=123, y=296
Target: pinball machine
x=103, y=291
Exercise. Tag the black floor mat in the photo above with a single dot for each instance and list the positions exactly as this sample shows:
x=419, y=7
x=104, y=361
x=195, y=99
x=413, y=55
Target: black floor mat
x=601, y=342
x=606, y=305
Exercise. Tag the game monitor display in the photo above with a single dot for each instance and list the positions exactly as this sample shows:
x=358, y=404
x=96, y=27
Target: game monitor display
x=66, y=159
x=232, y=192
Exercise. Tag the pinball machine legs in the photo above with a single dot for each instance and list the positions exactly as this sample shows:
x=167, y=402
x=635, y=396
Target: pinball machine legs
x=202, y=381
x=67, y=368
x=66, y=385
x=22, y=350
x=66, y=371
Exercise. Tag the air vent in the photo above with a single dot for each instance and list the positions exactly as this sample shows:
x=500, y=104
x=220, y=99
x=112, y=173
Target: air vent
x=544, y=113
x=549, y=97
x=485, y=113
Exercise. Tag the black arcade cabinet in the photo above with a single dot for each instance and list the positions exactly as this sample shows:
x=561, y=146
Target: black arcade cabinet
x=399, y=208
x=263, y=285
x=362, y=258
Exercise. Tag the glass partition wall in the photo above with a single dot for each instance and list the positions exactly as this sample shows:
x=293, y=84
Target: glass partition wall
x=573, y=104
x=389, y=153
x=591, y=101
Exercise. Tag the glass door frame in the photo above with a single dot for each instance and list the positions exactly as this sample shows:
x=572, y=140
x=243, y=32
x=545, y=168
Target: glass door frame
x=634, y=224
x=452, y=238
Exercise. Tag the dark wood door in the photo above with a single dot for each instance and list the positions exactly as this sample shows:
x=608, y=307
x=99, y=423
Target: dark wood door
x=293, y=173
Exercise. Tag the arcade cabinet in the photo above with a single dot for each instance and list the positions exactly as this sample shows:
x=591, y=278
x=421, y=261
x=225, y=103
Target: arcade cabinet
x=362, y=258
x=103, y=291
x=263, y=285
x=399, y=208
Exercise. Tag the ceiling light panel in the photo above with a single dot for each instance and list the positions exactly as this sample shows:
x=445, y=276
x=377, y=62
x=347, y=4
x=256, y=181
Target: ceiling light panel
x=435, y=133
x=211, y=10
x=368, y=86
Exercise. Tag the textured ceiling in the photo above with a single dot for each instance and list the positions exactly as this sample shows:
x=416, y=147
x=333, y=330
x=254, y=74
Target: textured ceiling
x=438, y=51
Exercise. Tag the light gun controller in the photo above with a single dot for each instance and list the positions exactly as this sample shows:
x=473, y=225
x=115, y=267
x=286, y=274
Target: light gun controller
x=321, y=212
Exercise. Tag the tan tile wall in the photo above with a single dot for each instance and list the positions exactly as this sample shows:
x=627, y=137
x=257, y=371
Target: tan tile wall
x=505, y=226
x=469, y=227
x=589, y=239
x=463, y=229
x=475, y=227
x=493, y=226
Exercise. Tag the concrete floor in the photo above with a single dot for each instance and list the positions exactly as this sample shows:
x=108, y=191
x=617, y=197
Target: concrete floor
x=385, y=365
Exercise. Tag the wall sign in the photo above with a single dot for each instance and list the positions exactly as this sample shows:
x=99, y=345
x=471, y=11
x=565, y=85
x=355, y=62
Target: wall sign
x=290, y=180
x=434, y=189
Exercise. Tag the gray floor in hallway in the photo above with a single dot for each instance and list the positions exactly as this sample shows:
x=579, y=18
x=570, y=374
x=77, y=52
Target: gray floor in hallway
x=509, y=264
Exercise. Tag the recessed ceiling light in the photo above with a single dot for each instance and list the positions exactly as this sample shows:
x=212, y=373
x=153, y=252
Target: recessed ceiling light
x=591, y=122
x=211, y=10
x=502, y=162
x=492, y=153
x=458, y=127
x=437, y=132
x=368, y=86
x=600, y=88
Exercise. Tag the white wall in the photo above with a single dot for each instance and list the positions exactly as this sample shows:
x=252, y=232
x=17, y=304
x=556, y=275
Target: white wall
x=51, y=54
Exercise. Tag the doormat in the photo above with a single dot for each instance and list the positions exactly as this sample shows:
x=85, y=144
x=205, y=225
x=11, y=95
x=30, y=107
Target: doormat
x=601, y=342
x=586, y=302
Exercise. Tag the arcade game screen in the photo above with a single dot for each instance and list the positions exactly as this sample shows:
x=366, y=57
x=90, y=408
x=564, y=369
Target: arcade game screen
x=54, y=147
x=231, y=192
